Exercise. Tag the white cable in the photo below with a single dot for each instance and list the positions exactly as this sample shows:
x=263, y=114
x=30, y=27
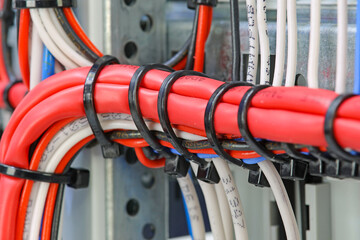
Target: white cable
x=193, y=207
x=282, y=199
x=36, y=58
x=314, y=44
x=225, y=212
x=341, y=50
x=253, y=42
x=40, y=197
x=64, y=140
x=212, y=207
x=60, y=29
x=58, y=67
x=292, y=43
x=233, y=196
x=49, y=43
x=59, y=40
x=280, y=42
x=264, y=42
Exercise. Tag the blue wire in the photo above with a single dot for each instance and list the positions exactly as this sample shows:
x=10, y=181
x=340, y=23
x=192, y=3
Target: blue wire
x=247, y=161
x=42, y=219
x=48, y=64
x=357, y=51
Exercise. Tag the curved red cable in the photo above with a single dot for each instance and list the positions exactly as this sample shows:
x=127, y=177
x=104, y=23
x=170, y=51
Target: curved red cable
x=79, y=31
x=292, y=115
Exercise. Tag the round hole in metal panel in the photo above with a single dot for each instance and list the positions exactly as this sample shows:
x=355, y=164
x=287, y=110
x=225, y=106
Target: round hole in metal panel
x=130, y=49
x=148, y=231
x=146, y=23
x=129, y=2
x=132, y=207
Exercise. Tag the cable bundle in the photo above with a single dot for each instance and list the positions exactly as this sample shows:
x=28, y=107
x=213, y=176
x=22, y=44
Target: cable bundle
x=184, y=116
x=62, y=102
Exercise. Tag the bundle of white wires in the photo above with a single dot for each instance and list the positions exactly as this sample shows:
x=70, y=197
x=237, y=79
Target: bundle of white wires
x=62, y=142
x=48, y=30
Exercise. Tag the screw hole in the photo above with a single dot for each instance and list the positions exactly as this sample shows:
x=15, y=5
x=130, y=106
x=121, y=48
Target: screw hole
x=148, y=231
x=129, y=2
x=132, y=207
x=146, y=23
x=130, y=49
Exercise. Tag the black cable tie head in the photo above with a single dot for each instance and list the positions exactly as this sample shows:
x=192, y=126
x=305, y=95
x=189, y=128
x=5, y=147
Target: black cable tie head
x=76, y=178
x=293, y=169
x=193, y=3
x=44, y=4
x=208, y=174
x=257, y=178
x=176, y=166
x=80, y=179
x=109, y=149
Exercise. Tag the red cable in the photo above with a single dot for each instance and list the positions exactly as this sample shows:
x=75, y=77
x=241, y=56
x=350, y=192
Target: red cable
x=181, y=65
x=34, y=166
x=79, y=31
x=205, y=13
x=52, y=193
x=292, y=115
x=159, y=163
x=3, y=71
x=23, y=46
x=16, y=94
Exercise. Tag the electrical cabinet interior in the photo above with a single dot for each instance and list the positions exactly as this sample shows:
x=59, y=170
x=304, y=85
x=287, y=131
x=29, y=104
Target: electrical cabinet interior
x=163, y=119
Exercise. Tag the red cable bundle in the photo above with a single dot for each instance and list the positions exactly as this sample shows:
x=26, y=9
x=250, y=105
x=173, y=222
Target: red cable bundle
x=293, y=115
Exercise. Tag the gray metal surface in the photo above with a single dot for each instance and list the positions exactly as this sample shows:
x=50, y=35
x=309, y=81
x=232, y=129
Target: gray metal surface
x=123, y=27
x=135, y=183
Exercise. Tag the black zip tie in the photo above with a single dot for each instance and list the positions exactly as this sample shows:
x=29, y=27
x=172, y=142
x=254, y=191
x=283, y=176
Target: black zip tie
x=210, y=126
x=244, y=128
x=164, y=91
x=333, y=145
x=174, y=164
x=76, y=178
x=289, y=168
x=6, y=94
x=44, y=3
x=193, y=3
x=109, y=149
x=329, y=166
